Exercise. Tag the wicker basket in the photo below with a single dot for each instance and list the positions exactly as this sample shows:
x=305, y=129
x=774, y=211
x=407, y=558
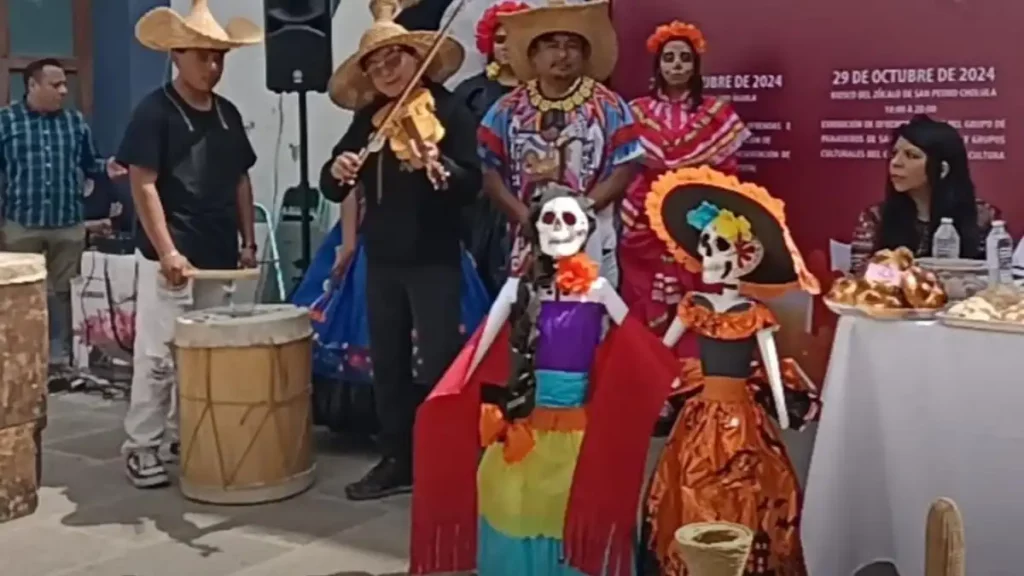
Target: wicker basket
x=714, y=548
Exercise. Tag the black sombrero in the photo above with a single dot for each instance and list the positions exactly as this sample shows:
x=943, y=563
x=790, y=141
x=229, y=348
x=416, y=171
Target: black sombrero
x=675, y=194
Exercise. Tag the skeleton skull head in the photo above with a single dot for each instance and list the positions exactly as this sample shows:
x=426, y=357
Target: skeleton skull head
x=726, y=257
x=562, y=227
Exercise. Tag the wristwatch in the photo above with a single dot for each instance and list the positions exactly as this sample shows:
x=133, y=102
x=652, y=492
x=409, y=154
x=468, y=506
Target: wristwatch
x=252, y=247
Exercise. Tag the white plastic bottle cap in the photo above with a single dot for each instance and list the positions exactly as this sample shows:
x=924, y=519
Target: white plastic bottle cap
x=946, y=221
x=999, y=223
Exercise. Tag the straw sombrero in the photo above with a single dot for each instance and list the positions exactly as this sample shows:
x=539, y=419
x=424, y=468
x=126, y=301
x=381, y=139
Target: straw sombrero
x=164, y=29
x=351, y=89
x=676, y=193
x=590, y=20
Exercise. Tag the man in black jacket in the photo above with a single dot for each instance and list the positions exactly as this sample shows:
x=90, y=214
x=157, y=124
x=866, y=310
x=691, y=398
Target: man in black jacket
x=411, y=227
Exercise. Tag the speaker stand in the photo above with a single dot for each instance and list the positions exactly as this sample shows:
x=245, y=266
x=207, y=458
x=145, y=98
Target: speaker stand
x=307, y=204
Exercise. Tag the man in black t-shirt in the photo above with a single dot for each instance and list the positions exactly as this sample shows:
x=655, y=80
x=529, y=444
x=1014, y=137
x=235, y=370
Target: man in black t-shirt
x=411, y=228
x=188, y=156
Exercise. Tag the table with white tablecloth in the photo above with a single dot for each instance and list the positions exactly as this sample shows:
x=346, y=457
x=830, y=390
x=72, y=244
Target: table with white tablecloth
x=914, y=411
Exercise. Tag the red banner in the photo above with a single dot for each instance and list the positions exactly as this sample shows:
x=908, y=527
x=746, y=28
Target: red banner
x=822, y=84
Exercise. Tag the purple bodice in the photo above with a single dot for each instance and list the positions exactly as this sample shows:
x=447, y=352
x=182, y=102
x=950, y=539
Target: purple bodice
x=569, y=335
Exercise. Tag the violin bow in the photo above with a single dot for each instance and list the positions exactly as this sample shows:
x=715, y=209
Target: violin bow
x=378, y=139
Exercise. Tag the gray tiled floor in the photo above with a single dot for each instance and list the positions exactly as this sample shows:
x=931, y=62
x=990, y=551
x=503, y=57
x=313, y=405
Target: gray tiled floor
x=90, y=522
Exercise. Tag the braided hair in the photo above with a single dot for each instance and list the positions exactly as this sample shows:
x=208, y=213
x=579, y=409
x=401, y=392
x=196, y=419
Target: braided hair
x=521, y=388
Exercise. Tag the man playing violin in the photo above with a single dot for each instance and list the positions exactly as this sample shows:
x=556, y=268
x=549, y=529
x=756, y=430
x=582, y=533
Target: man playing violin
x=561, y=124
x=414, y=187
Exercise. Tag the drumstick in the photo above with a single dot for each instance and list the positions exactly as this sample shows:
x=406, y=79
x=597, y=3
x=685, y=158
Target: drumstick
x=223, y=275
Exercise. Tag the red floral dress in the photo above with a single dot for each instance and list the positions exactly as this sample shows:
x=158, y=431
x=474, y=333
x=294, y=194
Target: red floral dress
x=673, y=136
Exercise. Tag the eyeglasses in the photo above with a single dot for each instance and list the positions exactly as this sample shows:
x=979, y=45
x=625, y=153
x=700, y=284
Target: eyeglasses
x=386, y=62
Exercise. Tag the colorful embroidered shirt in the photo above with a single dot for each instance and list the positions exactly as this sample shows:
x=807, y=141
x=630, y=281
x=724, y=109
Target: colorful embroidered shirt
x=675, y=136
x=42, y=159
x=576, y=141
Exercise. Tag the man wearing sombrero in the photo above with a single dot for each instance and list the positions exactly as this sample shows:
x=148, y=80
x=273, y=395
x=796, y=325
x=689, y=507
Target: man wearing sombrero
x=414, y=190
x=562, y=124
x=188, y=158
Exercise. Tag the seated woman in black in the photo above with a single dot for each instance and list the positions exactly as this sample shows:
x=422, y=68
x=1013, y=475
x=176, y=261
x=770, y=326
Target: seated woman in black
x=929, y=179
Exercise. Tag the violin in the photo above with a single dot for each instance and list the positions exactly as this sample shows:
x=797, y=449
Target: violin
x=413, y=133
x=409, y=125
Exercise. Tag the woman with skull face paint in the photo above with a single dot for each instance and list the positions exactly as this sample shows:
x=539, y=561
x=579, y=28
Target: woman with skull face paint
x=725, y=460
x=679, y=127
x=564, y=425
x=487, y=240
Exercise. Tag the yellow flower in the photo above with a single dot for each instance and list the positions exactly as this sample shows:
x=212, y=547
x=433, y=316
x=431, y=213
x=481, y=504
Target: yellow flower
x=732, y=227
x=493, y=71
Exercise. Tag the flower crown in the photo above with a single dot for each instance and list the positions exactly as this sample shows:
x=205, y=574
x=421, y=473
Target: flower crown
x=729, y=225
x=676, y=30
x=488, y=25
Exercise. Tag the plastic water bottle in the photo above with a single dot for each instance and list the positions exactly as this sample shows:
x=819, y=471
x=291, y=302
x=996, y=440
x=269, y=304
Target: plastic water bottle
x=946, y=242
x=999, y=254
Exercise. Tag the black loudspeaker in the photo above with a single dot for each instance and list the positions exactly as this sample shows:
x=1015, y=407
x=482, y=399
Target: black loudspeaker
x=298, y=41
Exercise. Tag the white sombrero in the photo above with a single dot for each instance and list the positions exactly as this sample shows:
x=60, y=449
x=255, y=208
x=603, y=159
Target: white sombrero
x=351, y=89
x=164, y=29
x=590, y=20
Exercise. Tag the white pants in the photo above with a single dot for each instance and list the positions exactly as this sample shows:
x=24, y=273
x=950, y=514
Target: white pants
x=602, y=247
x=152, y=417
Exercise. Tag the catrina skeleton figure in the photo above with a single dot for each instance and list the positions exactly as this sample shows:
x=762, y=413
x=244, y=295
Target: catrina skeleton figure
x=564, y=422
x=725, y=460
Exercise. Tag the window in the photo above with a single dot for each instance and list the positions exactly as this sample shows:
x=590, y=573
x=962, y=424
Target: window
x=33, y=29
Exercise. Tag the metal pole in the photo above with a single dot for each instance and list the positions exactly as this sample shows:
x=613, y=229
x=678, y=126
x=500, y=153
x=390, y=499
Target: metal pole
x=307, y=204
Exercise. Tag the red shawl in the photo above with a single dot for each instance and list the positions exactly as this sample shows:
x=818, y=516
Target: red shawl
x=630, y=380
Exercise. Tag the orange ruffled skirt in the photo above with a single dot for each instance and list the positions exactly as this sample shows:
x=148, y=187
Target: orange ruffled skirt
x=725, y=461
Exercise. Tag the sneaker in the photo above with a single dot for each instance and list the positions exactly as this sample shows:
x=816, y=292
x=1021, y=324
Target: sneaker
x=145, y=470
x=170, y=453
x=58, y=381
x=387, y=478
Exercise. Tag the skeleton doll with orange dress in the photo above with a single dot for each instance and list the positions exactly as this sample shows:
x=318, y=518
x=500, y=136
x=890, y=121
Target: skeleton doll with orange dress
x=725, y=460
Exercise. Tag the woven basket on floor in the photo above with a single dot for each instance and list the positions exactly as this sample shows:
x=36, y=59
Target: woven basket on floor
x=944, y=540
x=714, y=548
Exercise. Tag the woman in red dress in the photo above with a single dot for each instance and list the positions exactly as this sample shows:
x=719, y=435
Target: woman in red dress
x=680, y=127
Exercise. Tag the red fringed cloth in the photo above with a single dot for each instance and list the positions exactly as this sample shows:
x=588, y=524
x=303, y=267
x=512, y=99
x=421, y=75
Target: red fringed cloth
x=631, y=378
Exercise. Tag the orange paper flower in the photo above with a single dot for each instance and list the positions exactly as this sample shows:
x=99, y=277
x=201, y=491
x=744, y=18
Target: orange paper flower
x=676, y=30
x=576, y=274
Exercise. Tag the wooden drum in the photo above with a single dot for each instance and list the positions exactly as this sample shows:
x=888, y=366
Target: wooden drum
x=244, y=385
x=24, y=354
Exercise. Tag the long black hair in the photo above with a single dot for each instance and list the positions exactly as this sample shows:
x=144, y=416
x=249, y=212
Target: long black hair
x=694, y=86
x=952, y=196
x=540, y=275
